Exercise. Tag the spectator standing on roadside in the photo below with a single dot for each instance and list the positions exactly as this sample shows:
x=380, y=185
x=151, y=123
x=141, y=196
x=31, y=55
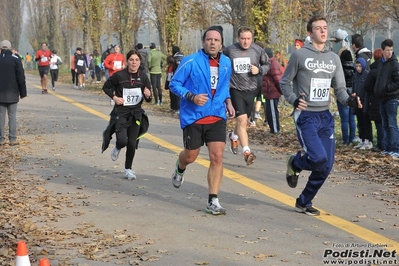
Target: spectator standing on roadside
x=298, y=44
x=362, y=116
x=374, y=103
x=12, y=89
x=156, y=62
x=248, y=60
x=43, y=56
x=360, y=50
x=272, y=92
x=144, y=57
x=55, y=61
x=177, y=57
x=202, y=83
x=386, y=89
x=310, y=73
x=97, y=63
x=348, y=123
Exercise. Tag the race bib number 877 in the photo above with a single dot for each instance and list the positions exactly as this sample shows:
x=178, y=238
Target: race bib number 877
x=320, y=89
x=132, y=96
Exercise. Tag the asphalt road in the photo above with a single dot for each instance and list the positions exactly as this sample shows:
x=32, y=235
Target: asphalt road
x=63, y=128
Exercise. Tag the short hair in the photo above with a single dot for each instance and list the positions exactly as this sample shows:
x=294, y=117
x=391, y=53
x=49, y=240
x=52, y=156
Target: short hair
x=139, y=46
x=357, y=40
x=377, y=54
x=385, y=43
x=244, y=29
x=309, y=26
x=132, y=52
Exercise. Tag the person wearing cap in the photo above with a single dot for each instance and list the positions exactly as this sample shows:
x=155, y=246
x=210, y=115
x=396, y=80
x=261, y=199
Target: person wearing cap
x=12, y=89
x=115, y=61
x=272, y=92
x=202, y=83
x=298, y=44
x=248, y=60
x=55, y=61
x=43, y=57
x=156, y=62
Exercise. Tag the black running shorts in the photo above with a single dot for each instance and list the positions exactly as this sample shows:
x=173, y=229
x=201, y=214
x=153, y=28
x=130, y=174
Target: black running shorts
x=243, y=101
x=195, y=135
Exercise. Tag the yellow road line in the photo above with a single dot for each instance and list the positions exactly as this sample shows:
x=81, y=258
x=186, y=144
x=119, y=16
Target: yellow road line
x=356, y=230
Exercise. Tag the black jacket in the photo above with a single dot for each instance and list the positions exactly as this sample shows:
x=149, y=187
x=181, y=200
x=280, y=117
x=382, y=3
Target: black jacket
x=12, y=78
x=373, y=102
x=126, y=114
x=387, y=84
x=349, y=71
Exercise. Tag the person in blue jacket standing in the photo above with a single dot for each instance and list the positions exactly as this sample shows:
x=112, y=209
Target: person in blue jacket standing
x=202, y=82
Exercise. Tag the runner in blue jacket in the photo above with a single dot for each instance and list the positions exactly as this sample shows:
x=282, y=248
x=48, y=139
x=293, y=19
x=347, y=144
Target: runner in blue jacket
x=202, y=82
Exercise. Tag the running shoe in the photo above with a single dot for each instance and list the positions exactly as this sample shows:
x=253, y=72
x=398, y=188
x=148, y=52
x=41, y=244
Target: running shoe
x=129, y=174
x=306, y=210
x=233, y=144
x=177, y=178
x=291, y=175
x=257, y=116
x=249, y=157
x=115, y=154
x=214, y=207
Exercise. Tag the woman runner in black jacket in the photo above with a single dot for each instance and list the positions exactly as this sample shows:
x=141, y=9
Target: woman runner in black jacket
x=128, y=88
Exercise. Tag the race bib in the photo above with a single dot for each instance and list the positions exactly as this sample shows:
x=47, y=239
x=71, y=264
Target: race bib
x=117, y=64
x=44, y=59
x=132, y=96
x=214, y=77
x=80, y=62
x=242, y=65
x=320, y=90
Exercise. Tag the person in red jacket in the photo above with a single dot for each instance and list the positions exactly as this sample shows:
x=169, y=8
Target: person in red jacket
x=272, y=92
x=43, y=57
x=115, y=61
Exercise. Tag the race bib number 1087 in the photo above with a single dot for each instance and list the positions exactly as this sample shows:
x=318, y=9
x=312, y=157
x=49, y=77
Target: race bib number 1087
x=320, y=89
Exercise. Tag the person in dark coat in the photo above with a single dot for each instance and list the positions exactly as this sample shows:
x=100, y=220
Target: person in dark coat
x=12, y=89
x=272, y=92
x=348, y=124
x=386, y=88
x=362, y=116
x=373, y=101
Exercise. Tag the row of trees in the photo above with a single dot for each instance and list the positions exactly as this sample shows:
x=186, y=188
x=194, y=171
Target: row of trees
x=64, y=23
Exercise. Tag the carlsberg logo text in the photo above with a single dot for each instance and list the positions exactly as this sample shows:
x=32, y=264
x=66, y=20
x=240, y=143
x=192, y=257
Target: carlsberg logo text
x=317, y=66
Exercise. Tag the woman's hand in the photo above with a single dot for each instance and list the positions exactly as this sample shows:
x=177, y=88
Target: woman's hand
x=118, y=100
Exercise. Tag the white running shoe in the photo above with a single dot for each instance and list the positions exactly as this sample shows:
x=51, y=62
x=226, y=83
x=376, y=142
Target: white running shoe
x=115, y=154
x=129, y=174
x=367, y=145
x=214, y=207
x=359, y=145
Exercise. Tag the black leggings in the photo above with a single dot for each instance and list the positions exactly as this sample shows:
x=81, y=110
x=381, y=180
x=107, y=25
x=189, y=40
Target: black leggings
x=74, y=77
x=156, y=87
x=98, y=73
x=54, y=76
x=127, y=137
